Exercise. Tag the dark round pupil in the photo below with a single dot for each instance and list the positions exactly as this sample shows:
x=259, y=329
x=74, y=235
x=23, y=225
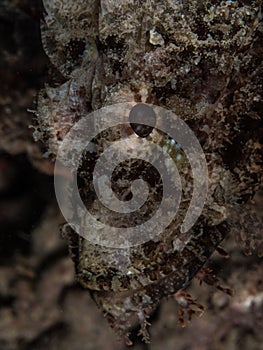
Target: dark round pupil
x=142, y=119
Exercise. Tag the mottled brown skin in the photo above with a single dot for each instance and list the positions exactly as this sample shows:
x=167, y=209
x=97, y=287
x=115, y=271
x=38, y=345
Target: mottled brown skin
x=121, y=306
x=203, y=64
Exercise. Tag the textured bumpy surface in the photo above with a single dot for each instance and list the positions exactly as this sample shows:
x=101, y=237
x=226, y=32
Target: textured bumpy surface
x=198, y=59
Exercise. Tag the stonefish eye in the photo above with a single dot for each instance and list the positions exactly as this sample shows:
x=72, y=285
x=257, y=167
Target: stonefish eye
x=142, y=119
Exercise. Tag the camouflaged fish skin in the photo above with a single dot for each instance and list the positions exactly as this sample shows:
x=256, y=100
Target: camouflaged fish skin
x=202, y=61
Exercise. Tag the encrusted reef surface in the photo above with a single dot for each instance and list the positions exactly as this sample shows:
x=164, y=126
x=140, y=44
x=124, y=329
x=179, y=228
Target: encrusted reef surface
x=203, y=61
